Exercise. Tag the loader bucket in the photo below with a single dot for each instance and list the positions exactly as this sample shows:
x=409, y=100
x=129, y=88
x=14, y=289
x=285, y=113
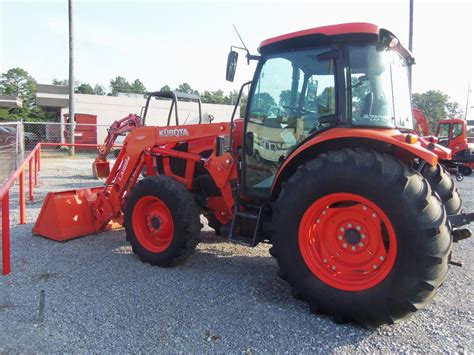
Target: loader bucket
x=68, y=214
x=100, y=168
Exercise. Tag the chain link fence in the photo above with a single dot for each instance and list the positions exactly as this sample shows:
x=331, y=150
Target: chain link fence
x=11, y=148
x=54, y=132
x=17, y=139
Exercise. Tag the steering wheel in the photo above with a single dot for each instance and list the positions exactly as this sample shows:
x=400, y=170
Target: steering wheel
x=299, y=110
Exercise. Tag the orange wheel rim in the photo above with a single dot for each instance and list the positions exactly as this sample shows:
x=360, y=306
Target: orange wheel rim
x=347, y=242
x=153, y=224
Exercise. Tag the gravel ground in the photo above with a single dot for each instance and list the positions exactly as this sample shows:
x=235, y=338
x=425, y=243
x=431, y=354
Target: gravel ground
x=98, y=297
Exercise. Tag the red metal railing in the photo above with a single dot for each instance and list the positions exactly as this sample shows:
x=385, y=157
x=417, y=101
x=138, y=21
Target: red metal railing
x=33, y=161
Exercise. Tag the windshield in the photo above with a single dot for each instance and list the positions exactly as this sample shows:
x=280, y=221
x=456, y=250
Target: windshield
x=380, y=89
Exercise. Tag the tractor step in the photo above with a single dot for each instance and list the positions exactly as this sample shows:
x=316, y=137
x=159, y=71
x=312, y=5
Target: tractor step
x=246, y=218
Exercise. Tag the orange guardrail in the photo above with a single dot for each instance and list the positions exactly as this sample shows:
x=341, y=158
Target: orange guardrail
x=33, y=161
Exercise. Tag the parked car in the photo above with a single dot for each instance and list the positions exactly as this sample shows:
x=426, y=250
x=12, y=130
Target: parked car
x=30, y=139
x=7, y=137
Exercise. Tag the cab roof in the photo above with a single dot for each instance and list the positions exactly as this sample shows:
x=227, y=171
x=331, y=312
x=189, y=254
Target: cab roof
x=356, y=28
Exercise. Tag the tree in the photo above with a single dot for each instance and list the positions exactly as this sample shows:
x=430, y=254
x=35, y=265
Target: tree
x=262, y=102
x=18, y=82
x=185, y=87
x=84, y=89
x=99, y=90
x=137, y=87
x=436, y=105
x=64, y=82
x=119, y=84
x=165, y=88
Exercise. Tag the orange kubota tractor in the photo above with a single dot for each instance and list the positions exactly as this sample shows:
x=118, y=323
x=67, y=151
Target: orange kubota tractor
x=358, y=211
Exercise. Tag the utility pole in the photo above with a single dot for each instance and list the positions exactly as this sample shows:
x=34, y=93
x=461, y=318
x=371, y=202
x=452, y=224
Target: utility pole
x=72, y=121
x=410, y=42
x=467, y=100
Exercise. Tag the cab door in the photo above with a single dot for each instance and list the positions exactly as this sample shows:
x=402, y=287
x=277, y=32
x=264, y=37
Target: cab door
x=292, y=94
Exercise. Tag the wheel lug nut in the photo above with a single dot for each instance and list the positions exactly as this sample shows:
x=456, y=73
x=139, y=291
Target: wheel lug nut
x=374, y=214
x=358, y=228
x=342, y=229
x=339, y=237
x=325, y=261
x=324, y=212
x=382, y=258
x=364, y=208
x=344, y=245
x=334, y=267
x=353, y=248
x=362, y=236
x=361, y=244
x=375, y=266
x=317, y=221
x=349, y=225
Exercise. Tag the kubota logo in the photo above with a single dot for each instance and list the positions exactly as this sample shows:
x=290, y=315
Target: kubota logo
x=173, y=132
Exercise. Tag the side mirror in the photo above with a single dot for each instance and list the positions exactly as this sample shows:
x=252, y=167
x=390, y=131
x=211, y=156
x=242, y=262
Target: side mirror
x=231, y=65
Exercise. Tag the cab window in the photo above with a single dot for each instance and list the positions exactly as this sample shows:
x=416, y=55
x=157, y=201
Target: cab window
x=293, y=93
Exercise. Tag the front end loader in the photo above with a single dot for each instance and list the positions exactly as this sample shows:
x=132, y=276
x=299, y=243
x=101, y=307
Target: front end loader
x=101, y=166
x=360, y=214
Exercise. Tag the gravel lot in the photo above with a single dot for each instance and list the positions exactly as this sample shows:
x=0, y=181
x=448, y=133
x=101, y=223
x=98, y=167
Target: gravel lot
x=98, y=297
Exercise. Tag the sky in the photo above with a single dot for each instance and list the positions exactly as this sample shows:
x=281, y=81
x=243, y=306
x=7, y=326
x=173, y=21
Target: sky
x=171, y=42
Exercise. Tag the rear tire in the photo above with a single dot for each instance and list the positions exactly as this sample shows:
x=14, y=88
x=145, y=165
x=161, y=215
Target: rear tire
x=161, y=221
x=442, y=183
x=418, y=246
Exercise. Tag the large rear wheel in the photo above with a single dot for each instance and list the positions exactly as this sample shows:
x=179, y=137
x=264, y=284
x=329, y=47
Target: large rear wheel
x=161, y=221
x=365, y=239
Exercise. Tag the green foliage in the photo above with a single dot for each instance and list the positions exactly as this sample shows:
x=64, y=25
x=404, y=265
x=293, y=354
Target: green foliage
x=137, y=87
x=436, y=105
x=99, y=90
x=27, y=114
x=165, y=88
x=64, y=82
x=17, y=82
x=84, y=89
x=121, y=85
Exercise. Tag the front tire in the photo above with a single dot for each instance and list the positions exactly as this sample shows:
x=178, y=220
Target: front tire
x=365, y=239
x=161, y=221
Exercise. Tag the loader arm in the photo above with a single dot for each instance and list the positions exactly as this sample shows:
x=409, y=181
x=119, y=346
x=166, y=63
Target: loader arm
x=101, y=166
x=88, y=211
x=123, y=125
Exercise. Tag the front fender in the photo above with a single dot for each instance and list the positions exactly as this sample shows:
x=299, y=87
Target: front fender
x=338, y=138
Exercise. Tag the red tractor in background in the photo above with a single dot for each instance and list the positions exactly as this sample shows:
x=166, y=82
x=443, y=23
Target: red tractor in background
x=450, y=133
x=360, y=215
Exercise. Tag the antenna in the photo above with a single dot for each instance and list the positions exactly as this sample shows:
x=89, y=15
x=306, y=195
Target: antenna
x=249, y=56
x=241, y=40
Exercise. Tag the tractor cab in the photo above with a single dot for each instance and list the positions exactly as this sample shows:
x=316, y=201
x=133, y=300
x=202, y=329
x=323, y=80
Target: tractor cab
x=451, y=133
x=307, y=82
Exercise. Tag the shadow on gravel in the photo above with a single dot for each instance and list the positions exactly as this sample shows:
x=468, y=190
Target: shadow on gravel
x=210, y=237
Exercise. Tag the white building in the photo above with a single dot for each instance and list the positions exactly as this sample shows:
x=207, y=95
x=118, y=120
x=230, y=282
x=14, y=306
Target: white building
x=111, y=108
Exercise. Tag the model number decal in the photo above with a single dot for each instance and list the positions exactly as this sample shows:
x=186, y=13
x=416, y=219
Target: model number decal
x=173, y=132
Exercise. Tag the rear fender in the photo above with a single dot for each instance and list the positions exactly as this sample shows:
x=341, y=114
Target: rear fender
x=389, y=141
